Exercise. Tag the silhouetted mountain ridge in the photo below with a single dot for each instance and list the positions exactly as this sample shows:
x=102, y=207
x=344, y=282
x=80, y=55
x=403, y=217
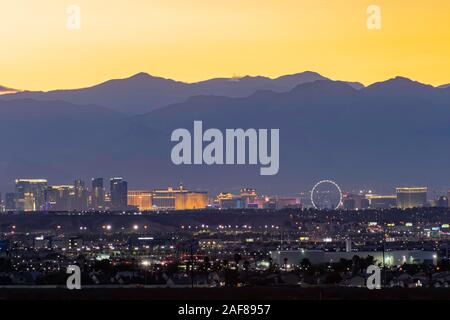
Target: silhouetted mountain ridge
x=143, y=93
x=380, y=135
x=4, y=90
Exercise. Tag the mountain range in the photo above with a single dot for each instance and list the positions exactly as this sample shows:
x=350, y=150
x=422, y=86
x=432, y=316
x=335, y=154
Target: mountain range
x=143, y=93
x=395, y=132
x=5, y=90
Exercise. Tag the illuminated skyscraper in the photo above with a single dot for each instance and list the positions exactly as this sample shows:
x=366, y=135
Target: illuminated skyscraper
x=10, y=202
x=191, y=200
x=248, y=196
x=377, y=201
x=359, y=201
x=140, y=199
x=349, y=203
x=80, y=201
x=228, y=200
x=59, y=198
x=179, y=199
x=98, y=194
x=119, y=194
x=50, y=196
x=411, y=197
x=30, y=194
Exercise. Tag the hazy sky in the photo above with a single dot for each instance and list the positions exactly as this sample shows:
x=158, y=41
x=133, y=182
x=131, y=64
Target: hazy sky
x=193, y=40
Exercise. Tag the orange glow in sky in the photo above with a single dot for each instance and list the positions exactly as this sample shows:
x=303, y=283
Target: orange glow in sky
x=192, y=40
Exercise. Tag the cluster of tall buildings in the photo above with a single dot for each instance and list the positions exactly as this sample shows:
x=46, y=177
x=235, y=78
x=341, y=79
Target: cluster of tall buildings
x=249, y=199
x=405, y=198
x=37, y=195
x=183, y=199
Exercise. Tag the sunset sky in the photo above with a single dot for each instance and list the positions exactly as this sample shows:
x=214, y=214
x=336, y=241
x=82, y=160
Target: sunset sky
x=192, y=40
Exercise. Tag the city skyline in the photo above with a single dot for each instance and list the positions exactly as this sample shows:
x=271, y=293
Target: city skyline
x=38, y=195
x=180, y=183
x=7, y=187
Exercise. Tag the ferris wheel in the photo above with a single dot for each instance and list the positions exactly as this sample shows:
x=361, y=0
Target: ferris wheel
x=326, y=194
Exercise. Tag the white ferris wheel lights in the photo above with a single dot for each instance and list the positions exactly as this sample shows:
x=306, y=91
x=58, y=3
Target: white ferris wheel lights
x=326, y=182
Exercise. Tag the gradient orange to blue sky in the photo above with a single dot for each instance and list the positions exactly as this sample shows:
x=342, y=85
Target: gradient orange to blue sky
x=192, y=40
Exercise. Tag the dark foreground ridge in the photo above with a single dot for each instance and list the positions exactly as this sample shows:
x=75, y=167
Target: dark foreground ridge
x=249, y=293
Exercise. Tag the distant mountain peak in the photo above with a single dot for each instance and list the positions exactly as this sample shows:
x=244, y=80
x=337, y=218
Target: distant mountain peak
x=444, y=86
x=6, y=90
x=141, y=75
x=324, y=86
x=144, y=76
x=142, y=92
x=399, y=84
x=304, y=73
x=404, y=81
x=141, y=81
